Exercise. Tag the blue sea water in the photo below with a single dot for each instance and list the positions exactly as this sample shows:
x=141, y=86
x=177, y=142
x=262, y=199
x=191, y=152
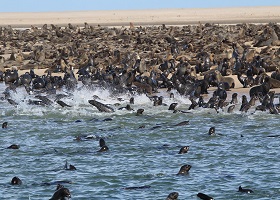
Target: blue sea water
x=137, y=156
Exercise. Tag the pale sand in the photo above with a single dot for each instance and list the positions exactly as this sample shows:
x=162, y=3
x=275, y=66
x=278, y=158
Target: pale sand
x=145, y=17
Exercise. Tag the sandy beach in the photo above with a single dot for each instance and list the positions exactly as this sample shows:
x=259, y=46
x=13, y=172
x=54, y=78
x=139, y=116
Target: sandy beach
x=145, y=17
x=175, y=17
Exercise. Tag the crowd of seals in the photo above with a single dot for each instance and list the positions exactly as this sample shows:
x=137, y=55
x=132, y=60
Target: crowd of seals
x=187, y=59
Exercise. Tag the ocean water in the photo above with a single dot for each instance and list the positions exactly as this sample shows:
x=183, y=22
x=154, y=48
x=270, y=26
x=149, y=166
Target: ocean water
x=145, y=156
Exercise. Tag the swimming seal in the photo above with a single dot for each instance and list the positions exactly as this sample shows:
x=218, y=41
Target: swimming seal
x=240, y=189
x=62, y=104
x=137, y=187
x=61, y=194
x=211, y=131
x=204, y=196
x=184, y=170
x=4, y=125
x=16, y=181
x=13, y=146
x=100, y=106
x=103, y=146
x=184, y=149
x=172, y=196
x=139, y=111
x=71, y=167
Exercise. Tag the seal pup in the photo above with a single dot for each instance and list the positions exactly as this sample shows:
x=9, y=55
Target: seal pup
x=5, y=125
x=240, y=189
x=172, y=196
x=16, y=181
x=103, y=146
x=100, y=106
x=204, y=196
x=184, y=170
x=61, y=194
x=184, y=149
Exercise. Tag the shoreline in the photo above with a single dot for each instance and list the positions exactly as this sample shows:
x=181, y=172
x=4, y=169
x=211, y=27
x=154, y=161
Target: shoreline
x=177, y=17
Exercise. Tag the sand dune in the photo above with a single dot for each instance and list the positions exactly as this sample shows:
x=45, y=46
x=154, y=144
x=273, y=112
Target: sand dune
x=145, y=17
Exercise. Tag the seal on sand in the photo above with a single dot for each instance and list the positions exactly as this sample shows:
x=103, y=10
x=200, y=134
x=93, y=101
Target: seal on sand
x=184, y=170
x=221, y=78
x=262, y=89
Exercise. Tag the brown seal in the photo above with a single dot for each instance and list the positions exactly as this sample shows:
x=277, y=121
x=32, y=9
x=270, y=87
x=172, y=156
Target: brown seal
x=221, y=78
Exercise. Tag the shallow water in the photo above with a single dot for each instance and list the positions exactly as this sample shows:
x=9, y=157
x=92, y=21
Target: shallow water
x=136, y=156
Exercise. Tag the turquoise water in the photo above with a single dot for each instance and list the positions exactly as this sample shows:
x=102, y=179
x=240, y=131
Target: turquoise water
x=136, y=156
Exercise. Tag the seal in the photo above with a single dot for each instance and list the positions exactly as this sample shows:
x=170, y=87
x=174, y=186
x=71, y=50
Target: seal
x=240, y=189
x=71, y=167
x=184, y=170
x=13, y=146
x=262, y=89
x=204, y=196
x=103, y=146
x=221, y=78
x=62, y=104
x=137, y=187
x=61, y=193
x=184, y=149
x=139, y=111
x=230, y=109
x=172, y=196
x=100, y=106
x=5, y=125
x=211, y=131
x=16, y=181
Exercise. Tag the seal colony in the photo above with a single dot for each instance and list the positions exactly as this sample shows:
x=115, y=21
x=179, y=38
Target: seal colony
x=143, y=60
x=188, y=59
